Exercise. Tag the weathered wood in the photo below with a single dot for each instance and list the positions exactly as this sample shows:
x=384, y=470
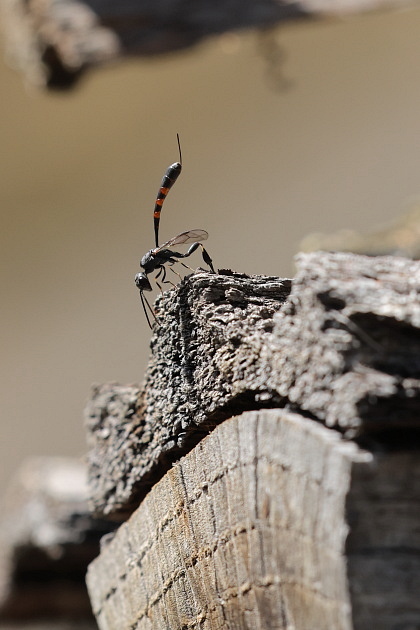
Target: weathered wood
x=272, y=521
x=211, y=329
x=344, y=349
x=55, y=41
x=47, y=539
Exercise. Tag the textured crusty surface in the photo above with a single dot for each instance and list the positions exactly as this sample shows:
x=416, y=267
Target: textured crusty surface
x=342, y=347
x=249, y=531
x=47, y=539
x=208, y=337
x=346, y=348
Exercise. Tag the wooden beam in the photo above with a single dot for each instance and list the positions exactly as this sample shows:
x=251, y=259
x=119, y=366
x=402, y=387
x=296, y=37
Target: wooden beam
x=55, y=41
x=272, y=521
x=342, y=347
x=210, y=331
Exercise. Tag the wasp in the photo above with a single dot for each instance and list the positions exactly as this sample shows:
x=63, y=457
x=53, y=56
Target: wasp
x=161, y=255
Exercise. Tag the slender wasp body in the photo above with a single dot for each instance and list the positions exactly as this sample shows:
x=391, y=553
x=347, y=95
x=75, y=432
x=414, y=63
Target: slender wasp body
x=156, y=259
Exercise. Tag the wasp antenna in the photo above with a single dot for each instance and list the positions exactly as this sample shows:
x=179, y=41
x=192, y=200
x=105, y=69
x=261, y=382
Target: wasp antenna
x=144, y=302
x=179, y=148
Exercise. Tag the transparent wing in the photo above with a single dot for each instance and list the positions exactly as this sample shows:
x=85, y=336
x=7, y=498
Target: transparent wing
x=185, y=237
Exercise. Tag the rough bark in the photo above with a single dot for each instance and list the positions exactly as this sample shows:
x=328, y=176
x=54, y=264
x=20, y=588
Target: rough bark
x=55, y=41
x=272, y=521
x=210, y=329
x=47, y=539
x=344, y=349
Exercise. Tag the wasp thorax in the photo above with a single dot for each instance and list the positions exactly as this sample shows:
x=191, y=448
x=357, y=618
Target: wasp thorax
x=147, y=259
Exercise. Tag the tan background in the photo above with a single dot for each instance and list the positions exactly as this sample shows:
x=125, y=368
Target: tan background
x=262, y=168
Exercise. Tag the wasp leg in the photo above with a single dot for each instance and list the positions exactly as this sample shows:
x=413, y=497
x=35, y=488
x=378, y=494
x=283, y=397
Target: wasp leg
x=157, y=276
x=207, y=258
x=191, y=250
x=171, y=283
x=186, y=266
x=164, y=280
x=175, y=272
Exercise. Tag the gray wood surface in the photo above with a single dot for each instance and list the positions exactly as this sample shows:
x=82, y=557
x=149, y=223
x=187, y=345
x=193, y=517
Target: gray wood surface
x=343, y=349
x=47, y=539
x=272, y=522
x=346, y=348
x=383, y=545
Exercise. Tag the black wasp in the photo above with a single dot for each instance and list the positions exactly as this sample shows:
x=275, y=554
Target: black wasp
x=157, y=258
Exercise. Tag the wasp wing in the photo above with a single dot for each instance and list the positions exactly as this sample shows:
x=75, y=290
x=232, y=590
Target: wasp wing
x=190, y=236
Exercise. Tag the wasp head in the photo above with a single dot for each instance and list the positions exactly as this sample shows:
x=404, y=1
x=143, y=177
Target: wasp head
x=142, y=282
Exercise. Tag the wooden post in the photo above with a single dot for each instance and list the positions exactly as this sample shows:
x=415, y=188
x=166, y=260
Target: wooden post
x=300, y=507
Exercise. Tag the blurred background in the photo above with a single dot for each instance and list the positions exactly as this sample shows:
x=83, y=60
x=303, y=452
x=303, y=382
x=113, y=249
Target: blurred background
x=327, y=138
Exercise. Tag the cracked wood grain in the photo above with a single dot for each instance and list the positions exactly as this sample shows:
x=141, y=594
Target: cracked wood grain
x=272, y=521
x=240, y=533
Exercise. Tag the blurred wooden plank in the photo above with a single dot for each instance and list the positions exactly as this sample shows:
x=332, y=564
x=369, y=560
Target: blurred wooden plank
x=50, y=625
x=383, y=515
x=401, y=237
x=47, y=539
x=344, y=349
x=55, y=41
x=272, y=521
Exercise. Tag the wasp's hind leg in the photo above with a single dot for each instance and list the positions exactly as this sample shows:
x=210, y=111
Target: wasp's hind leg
x=186, y=266
x=207, y=258
x=175, y=271
x=191, y=250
